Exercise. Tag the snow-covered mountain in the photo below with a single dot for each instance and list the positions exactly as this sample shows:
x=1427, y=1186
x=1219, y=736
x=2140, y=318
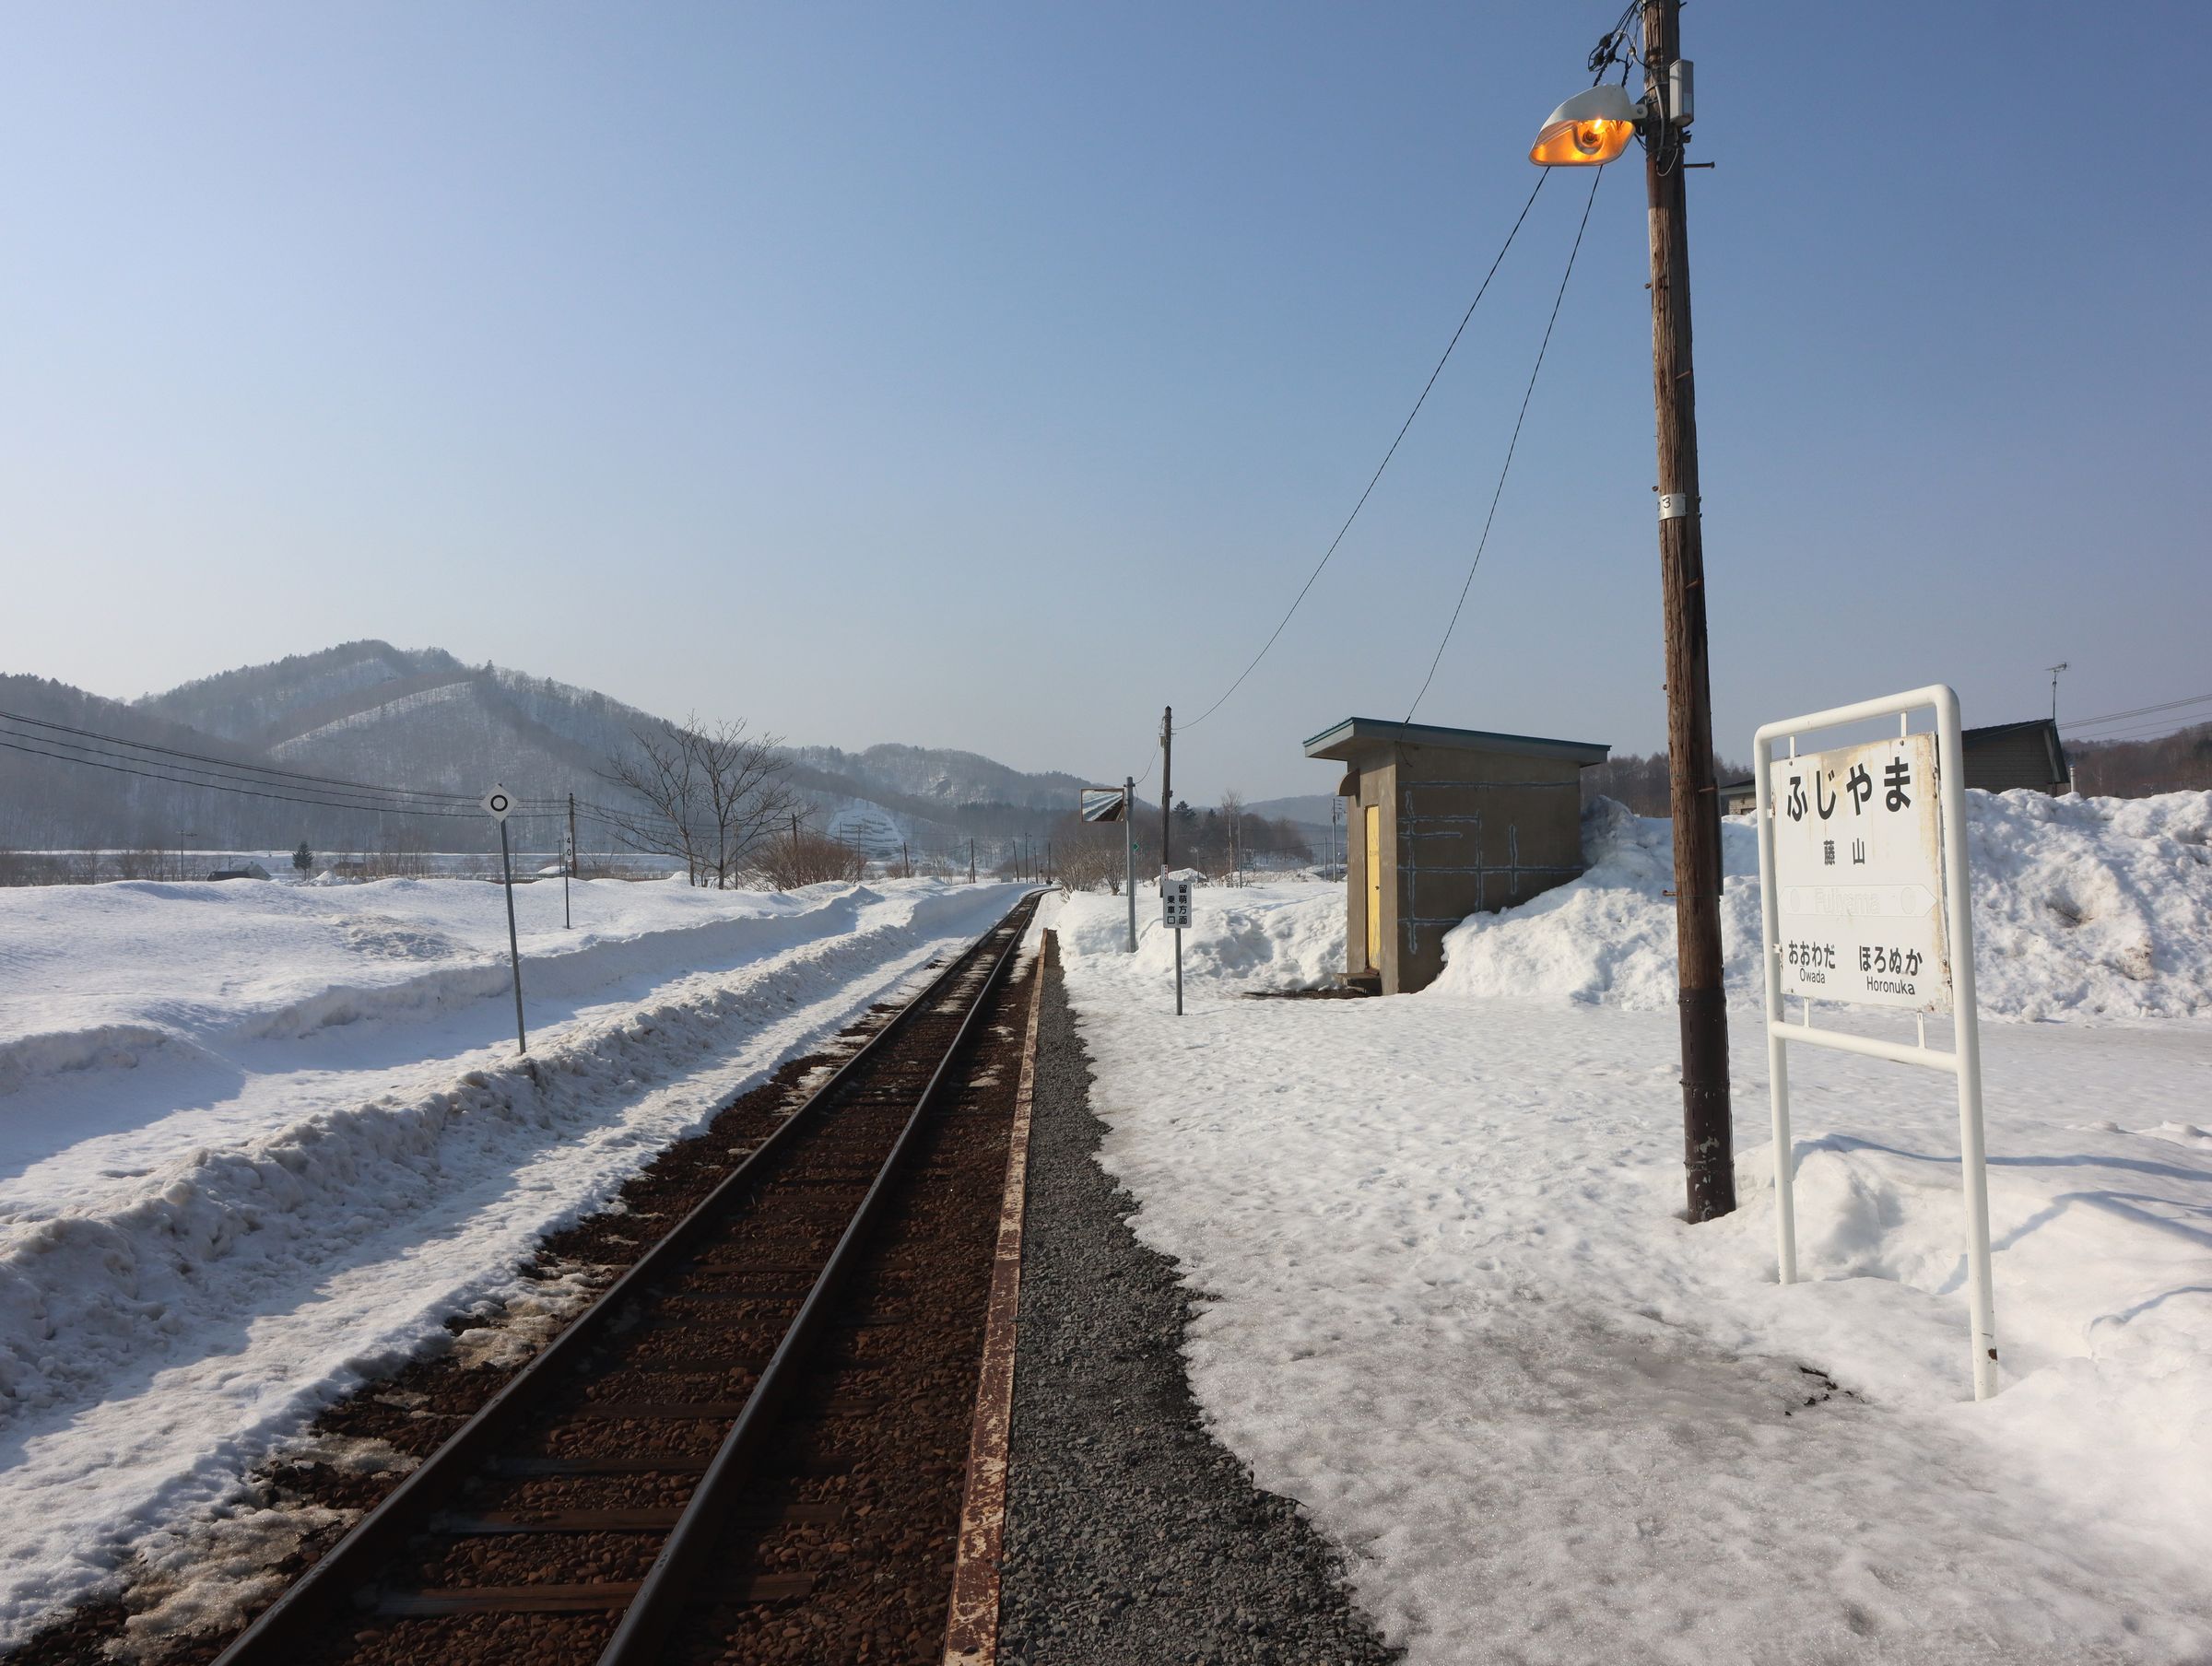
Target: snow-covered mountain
x=420, y=719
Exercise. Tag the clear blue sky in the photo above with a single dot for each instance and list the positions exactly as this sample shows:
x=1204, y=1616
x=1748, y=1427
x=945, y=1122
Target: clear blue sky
x=992, y=376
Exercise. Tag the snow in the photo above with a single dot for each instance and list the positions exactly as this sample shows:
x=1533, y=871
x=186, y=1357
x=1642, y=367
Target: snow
x=1446, y=1301
x=257, y=1140
x=2094, y=908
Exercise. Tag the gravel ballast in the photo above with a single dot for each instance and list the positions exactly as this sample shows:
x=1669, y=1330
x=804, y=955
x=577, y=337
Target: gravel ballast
x=1132, y=1534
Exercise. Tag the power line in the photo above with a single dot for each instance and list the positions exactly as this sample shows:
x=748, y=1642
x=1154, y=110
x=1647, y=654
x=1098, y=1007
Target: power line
x=242, y=792
x=181, y=774
x=2168, y=726
x=1483, y=542
x=234, y=765
x=1541, y=176
x=2115, y=717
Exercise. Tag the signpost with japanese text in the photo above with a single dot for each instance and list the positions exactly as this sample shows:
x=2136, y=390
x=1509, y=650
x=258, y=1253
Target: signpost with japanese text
x=1175, y=914
x=1863, y=901
x=1859, y=876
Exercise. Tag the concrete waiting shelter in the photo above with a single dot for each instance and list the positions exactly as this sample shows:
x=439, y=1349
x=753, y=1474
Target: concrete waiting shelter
x=1446, y=823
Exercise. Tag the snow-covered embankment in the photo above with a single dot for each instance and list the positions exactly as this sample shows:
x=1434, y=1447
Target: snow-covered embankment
x=255, y=1139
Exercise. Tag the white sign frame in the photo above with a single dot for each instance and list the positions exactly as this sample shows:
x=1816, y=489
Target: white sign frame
x=1963, y=1061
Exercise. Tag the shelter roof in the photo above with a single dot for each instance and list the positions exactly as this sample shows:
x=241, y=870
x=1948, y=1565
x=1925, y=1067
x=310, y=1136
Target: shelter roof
x=1357, y=737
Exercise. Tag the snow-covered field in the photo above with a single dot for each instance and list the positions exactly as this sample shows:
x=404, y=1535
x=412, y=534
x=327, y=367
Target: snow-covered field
x=1447, y=1301
x=256, y=1139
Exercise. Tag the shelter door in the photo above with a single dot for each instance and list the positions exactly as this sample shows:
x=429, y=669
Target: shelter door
x=1374, y=887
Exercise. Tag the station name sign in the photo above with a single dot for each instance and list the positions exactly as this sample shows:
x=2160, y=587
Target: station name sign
x=1858, y=875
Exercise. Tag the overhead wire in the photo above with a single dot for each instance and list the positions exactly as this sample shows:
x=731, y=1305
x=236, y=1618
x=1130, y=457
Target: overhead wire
x=193, y=775
x=1377, y=476
x=119, y=755
x=177, y=766
x=2116, y=717
x=233, y=765
x=1512, y=445
x=242, y=792
x=2157, y=726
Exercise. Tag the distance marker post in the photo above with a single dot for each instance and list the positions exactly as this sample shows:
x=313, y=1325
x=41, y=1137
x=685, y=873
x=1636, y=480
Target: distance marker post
x=497, y=804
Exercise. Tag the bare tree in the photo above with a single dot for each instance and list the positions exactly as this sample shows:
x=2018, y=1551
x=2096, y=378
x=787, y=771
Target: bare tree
x=1091, y=857
x=1232, y=823
x=803, y=857
x=711, y=796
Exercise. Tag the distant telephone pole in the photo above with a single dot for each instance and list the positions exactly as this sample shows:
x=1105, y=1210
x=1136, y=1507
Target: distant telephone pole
x=1708, y=1135
x=568, y=868
x=1167, y=772
x=2054, y=670
x=1129, y=851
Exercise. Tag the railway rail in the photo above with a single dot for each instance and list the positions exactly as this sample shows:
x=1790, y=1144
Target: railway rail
x=661, y=1482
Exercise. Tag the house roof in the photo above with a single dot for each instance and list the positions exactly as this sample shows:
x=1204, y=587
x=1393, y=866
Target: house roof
x=1355, y=735
x=1999, y=755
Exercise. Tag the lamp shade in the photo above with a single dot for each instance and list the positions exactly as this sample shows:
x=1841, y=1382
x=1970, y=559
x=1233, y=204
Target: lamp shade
x=1589, y=130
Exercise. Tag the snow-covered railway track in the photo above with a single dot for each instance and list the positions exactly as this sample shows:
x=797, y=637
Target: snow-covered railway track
x=667, y=1471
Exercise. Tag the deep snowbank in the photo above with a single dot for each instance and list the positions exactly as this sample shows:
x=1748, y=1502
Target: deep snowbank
x=2095, y=907
x=92, y=975
x=2083, y=908
x=1267, y=936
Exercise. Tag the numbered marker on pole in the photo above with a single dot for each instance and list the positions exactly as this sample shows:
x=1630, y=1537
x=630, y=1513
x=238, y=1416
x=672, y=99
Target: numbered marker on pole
x=497, y=804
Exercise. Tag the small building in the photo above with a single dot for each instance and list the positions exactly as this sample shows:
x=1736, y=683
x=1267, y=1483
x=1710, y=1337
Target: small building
x=1738, y=797
x=2005, y=755
x=1445, y=823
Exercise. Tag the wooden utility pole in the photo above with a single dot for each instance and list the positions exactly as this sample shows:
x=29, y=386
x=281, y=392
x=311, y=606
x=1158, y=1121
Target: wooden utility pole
x=1707, y=1134
x=1129, y=851
x=569, y=869
x=1167, y=772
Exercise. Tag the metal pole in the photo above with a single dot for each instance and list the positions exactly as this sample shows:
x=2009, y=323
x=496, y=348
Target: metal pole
x=1707, y=1134
x=1966, y=1044
x=971, y=862
x=514, y=951
x=1129, y=851
x=1778, y=1052
x=1179, y=971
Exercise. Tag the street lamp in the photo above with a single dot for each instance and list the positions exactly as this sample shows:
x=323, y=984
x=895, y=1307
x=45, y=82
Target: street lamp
x=1590, y=129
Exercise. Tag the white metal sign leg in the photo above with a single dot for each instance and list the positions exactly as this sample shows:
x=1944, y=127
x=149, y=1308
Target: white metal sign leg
x=1966, y=1043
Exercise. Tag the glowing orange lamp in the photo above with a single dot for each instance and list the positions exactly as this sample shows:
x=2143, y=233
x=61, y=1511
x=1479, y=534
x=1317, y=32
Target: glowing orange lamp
x=1588, y=131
